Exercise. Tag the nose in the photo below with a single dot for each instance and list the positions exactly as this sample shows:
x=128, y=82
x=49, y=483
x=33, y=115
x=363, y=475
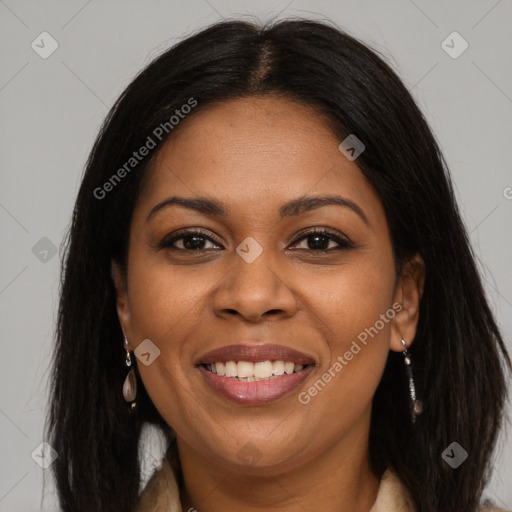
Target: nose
x=254, y=290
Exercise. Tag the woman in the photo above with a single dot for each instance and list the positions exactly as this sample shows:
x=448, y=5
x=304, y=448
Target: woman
x=267, y=262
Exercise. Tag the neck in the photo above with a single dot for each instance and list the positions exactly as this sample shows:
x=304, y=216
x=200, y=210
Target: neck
x=337, y=479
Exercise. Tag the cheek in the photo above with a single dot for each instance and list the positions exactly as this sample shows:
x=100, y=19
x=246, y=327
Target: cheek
x=353, y=309
x=165, y=306
x=351, y=297
x=163, y=300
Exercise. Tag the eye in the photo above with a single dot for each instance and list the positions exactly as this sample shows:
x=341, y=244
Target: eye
x=190, y=240
x=318, y=240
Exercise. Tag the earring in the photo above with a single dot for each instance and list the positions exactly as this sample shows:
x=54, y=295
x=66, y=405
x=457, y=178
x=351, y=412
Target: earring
x=416, y=405
x=130, y=382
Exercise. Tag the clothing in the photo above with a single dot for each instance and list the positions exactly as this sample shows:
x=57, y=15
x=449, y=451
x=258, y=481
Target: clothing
x=161, y=493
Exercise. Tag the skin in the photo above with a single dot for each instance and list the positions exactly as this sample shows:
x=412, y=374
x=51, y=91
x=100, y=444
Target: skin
x=253, y=155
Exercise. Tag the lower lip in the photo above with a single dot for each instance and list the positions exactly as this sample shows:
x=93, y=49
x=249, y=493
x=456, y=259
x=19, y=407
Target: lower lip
x=256, y=392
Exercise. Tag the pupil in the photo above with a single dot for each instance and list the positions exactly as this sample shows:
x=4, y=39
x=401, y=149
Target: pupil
x=197, y=246
x=321, y=246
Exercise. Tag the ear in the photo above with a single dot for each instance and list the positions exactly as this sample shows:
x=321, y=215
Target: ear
x=408, y=294
x=122, y=303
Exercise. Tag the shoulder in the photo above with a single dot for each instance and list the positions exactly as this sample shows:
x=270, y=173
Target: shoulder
x=161, y=493
x=393, y=495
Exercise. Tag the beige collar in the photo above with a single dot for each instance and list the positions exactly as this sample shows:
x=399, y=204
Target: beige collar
x=161, y=493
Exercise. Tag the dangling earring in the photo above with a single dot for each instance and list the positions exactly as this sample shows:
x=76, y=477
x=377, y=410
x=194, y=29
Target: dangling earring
x=416, y=405
x=130, y=382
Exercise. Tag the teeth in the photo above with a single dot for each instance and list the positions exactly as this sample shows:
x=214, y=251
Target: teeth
x=262, y=370
x=288, y=368
x=250, y=372
x=278, y=367
x=245, y=369
x=231, y=369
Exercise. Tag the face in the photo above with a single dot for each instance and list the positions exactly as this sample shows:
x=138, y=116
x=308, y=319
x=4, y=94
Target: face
x=250, y=271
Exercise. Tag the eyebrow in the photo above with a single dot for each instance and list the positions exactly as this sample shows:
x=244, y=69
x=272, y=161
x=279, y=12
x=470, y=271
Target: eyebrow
x=213, y=208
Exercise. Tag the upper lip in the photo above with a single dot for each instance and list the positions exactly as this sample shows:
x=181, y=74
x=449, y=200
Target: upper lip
x=255, y=353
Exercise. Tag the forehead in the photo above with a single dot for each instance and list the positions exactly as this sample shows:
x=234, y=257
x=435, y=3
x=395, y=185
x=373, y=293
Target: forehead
x=252, y=152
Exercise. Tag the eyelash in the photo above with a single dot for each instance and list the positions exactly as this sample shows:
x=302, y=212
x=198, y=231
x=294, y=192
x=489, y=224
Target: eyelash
x=343, y=243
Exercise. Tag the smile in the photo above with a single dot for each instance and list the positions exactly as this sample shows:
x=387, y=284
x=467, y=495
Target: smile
x=254, y=371
x=254, y=383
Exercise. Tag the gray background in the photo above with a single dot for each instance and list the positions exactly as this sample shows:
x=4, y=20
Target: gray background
x=51, y=110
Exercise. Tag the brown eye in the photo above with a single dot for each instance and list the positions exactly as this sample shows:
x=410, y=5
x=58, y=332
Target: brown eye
x=190, y=241
x=319, y=240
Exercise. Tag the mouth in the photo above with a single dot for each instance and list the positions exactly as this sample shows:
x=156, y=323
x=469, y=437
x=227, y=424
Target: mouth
x=248, y=371
x=254, y=374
